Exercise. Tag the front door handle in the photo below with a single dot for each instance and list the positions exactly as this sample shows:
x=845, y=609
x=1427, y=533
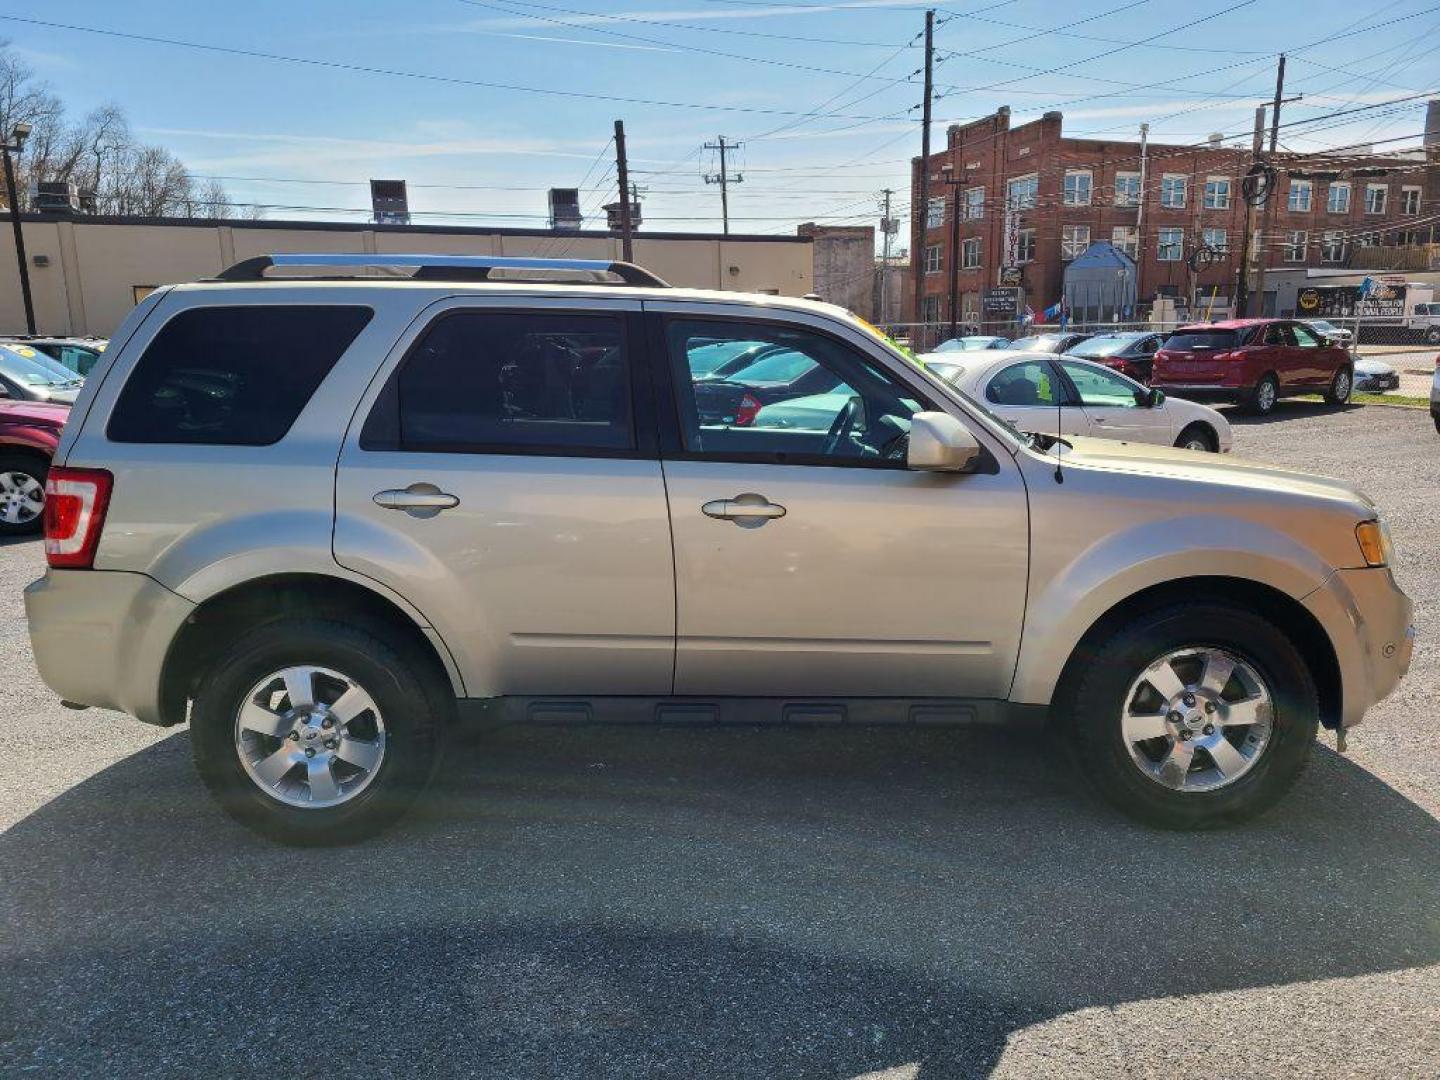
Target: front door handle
x=749, y=510
x=417, y=500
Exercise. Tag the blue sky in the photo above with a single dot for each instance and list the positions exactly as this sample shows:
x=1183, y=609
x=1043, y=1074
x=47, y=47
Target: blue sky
x=820, y=91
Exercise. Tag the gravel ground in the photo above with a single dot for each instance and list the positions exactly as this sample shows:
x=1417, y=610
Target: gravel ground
x=731, y=903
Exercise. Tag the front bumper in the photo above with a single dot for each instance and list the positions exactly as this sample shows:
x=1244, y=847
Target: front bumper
x=1369, y=623
x=1376, y=383
x=100, y=637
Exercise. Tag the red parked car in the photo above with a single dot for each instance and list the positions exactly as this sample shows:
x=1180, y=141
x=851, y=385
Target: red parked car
x=29, y=433
x=1254, y=362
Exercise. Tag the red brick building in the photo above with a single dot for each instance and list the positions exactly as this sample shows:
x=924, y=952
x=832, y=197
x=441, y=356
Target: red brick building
x=1031, y=199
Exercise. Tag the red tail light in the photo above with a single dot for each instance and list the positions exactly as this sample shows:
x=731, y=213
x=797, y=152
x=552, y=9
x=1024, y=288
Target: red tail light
x=75, y=505
x=747, y=410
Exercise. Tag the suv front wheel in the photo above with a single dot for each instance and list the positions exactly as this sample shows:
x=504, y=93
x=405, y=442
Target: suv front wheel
x=1194, y=716
x=312, y=731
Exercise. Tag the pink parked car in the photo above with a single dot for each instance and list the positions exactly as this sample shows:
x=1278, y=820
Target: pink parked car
x=29, y=433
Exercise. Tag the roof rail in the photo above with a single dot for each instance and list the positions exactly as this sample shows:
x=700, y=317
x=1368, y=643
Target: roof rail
x=451, y=268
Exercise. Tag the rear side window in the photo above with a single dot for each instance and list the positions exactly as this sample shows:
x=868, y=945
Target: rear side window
x=489, y=382
x=232, y=376
x=1200, y=340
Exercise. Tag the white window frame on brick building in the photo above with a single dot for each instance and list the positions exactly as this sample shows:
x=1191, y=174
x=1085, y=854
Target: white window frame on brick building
x=1337, y=199
x=1074, y=239
x=974, y=203
x=1332, y=246
x=935, y=212
x=1127, y=239
x=934, y=259
x=930, y=309
x=1171, y=246
x=1216, y=239
x=1079, y=183
x=1172, y=190
x=1296, y=241
x=1410, y=198
x=1302, y=193
x=1127, y=189
x=970, y=253
x=1376, y=198
x=1025, y=246
x=1023, y=192
x=1217, y=193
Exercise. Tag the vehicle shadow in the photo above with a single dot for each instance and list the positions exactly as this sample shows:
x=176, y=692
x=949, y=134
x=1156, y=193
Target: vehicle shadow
x=1285, y=411
x=694, y=903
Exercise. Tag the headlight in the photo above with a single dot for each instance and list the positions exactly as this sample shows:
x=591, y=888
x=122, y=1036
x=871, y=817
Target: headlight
x=1374, y=539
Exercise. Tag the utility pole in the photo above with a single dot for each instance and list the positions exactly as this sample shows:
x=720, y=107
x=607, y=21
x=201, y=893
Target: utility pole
x=14, y=145
x=922, y=212
x=724, y=179
x=622, y=174
x=887, y=228
x=1242, y=277
x=956, y=184
x=1140, y=213
x=1274, y=194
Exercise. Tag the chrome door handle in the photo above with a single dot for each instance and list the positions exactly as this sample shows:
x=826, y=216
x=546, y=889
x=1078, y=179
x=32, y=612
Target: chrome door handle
x=748, y=510
x=417, y=500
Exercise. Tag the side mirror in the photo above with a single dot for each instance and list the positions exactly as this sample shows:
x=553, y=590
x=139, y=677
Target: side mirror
x=1149, y=399
x=940, y=443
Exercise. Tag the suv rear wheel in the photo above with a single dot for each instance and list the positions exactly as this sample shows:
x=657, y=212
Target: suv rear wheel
x=312, y=731
x=1340, y=387
x=1265, y=395
x=22, y=493
x=1193, y=716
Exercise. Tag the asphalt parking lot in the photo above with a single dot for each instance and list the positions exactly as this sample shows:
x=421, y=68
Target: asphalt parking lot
x=737, y=903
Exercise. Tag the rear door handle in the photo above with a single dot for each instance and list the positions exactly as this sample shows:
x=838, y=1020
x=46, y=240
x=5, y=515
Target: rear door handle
x=747, y=510
x=417, y=500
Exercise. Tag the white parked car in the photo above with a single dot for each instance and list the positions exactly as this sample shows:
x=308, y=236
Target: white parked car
x=1037, y=391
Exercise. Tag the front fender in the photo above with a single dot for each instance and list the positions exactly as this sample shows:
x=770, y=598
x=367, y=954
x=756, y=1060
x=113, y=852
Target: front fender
x=1067, y=600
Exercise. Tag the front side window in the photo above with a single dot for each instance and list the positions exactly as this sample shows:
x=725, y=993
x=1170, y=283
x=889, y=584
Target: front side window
x=1172, y=190
x=974, y=203
x=1337, y=201
x=1376, y=195
x=1171, y=246
x=1025, y=385
x=1304, y=337
x=1025, y=246
x=1077, y=187
x=1295, y=243
x=1023, y=192
x=1216, y=239
x=1217, y=193
x=831, y=405
x=1127, y=189
x=1298, y=200
x=970, y=253
x=1074, y=239
x=237, y=375
x=500, y=382
x=1100, y=387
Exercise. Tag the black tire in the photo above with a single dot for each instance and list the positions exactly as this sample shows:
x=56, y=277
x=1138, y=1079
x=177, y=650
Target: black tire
x=35, y=468
x=1200, y=434
x=1436, y=418
x=1091, y=715
x=411, y=695
x=1341, y=387
x=1432, y=335
x=1259, y=402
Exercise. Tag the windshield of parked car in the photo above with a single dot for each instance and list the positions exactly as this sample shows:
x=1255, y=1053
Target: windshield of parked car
x=705, y=359
x=777, y=367
x=28, y=371
x=1201, y=340
x=1105, y=345
x=43, y=359
x=1037, y=343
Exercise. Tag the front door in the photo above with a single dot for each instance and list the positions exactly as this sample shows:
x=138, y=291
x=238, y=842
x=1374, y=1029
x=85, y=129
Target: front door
x=1109, y=401
x=1313, y=363
x=502, y=476
x=809, y=560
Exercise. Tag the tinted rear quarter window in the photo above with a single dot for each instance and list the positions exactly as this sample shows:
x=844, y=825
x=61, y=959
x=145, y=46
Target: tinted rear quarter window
x=1200, y=340
x=234, y=375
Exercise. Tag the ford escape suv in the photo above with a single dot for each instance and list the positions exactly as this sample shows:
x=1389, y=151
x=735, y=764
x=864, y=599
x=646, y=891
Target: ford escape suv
x=322, y=508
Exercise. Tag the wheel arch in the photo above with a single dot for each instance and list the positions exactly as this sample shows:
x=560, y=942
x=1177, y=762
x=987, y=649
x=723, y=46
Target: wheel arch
x=1289, y=615
x=260, y=600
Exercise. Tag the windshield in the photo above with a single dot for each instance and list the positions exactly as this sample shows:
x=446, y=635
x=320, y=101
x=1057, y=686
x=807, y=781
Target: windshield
x=1105, y=345
x=28, y=371
x=1200, y=340
x=58, y=370
x=782, y=366
x=704, y=359
x=1038, y=343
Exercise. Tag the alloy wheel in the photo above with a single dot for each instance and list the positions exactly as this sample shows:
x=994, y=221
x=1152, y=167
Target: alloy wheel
x=310, y=737
x=22, y=498
x=1265, y=396
x=1197, y=719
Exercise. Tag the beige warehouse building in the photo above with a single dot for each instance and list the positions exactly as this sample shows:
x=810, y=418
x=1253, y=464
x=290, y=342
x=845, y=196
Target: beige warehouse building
x=86, y=273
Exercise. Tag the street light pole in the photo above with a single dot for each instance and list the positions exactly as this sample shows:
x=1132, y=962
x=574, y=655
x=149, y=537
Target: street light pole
x=15, y=145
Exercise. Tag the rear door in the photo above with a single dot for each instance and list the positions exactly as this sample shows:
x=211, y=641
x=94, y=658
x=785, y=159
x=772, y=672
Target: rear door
x=501, y=474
